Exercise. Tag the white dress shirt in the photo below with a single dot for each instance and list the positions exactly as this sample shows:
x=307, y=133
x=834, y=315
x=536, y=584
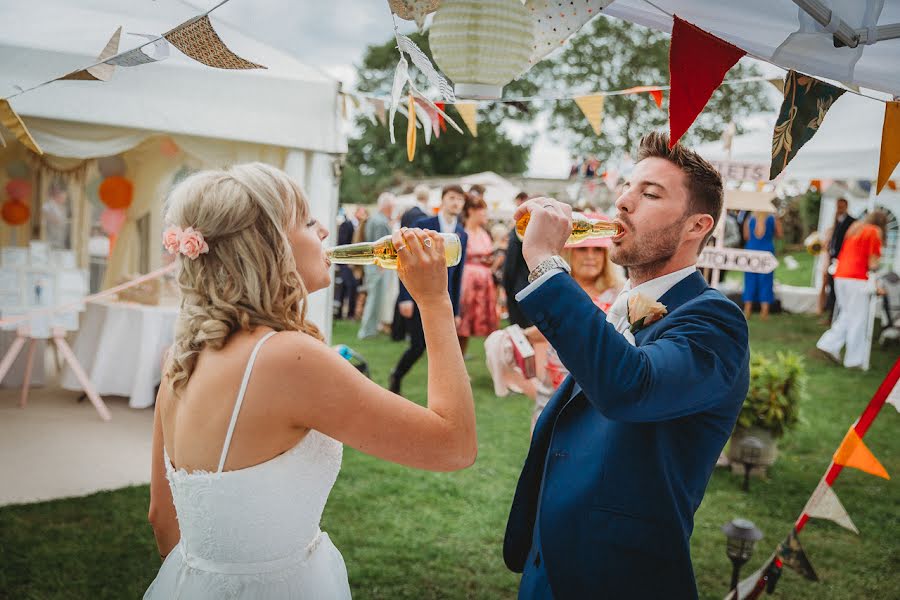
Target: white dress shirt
x=618, y=312
x=447, y=226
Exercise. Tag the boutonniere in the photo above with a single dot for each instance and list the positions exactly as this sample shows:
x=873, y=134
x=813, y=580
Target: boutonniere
x=642, y=311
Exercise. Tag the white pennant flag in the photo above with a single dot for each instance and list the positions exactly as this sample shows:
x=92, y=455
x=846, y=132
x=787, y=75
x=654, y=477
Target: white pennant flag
x=894, y=397
x=824, y=504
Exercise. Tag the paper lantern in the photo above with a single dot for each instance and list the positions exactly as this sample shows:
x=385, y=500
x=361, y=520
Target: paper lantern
x=481, y=46
x=116, y=192
x=18, y=189
x=111, y=220
x=15, y=212
x=111, y=166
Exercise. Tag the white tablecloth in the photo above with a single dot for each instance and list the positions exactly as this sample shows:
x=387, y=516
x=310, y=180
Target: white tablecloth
x=121, y=347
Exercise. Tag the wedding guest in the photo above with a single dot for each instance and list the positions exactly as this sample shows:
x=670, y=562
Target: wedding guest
x=346, y=294
x=860, y=255
x=410, y=217
x=478, y=304
x=760, y=231
x=477, y=190
x=842, y=222
x=515, y=273
x=254, y=407
x=623, y=452
x=500, y=237
x=594, y=273
x=378, y=226
x=447, y=221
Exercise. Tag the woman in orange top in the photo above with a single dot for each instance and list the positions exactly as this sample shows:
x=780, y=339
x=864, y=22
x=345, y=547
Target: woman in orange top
x=860, y=254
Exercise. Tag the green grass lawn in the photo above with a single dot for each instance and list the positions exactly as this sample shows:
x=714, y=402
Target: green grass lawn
x=799, y=276
x=412, y=534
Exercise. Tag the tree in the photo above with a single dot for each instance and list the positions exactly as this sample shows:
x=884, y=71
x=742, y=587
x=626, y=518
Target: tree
x=373, y=163
x=611, y=54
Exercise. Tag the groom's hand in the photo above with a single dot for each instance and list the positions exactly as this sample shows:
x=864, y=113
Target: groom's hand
x=549, y=228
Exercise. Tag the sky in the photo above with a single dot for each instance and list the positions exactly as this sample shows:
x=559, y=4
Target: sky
x=332, y=35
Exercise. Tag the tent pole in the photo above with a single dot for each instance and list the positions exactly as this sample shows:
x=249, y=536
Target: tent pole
x=823, y=15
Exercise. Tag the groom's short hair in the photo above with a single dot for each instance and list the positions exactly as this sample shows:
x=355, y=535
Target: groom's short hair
x=704, y=184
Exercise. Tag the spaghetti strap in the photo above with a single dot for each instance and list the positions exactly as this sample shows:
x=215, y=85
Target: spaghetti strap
x=240, y=400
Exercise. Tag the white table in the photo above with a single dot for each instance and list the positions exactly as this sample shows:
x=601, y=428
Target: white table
x=121, y=347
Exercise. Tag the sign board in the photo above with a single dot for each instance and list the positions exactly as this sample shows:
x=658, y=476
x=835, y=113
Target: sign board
x=735, y=259
x=741, y=171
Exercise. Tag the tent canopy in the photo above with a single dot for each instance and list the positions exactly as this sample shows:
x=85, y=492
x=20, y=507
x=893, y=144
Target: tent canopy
x=778, y=32
x=288, y=105
x=847, y=145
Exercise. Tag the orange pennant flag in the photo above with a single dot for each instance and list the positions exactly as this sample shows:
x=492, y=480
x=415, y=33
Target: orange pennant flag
x=890, y=144
x=411, y=130
x=657, y=97
x=854, y=453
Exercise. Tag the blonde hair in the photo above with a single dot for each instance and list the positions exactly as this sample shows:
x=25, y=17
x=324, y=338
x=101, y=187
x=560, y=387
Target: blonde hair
x=608, y=279
x=249, y=277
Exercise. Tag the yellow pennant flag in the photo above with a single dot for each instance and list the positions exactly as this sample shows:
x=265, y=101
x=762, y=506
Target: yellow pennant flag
x=890, y=144
x=469, y=113
x=12, y=121
x=854, y=453
x=411, y=129
x=592, y=107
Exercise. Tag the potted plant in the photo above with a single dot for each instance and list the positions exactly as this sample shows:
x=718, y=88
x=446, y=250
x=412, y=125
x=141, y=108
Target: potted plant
x=771, y=408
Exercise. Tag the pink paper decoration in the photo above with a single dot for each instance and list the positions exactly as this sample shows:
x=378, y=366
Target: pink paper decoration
x=18, y=189
x=111, y=220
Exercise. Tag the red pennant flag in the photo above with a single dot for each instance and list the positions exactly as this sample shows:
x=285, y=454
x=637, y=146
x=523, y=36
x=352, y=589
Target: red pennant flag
x=657, y=97
x=698, y=62
x=441, y=122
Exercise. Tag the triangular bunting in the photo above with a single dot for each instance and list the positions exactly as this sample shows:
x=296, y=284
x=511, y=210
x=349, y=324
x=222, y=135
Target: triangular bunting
x=380, y=110
x=778, y=82
x=469, y=113
x=806, y=102
x=411, y=129
x=101, y=72
x=432, y=116
x=657, y=97
x=155, y=51
x=824, y=504
x=198, y=39
x=12, y=121
x=890, y=144
x=698, y=62
x=592, y=107
x=441, y=108
x=854, y=453
x=894, y=397
x=792, y=554
x=748, y=584
x=555, y=21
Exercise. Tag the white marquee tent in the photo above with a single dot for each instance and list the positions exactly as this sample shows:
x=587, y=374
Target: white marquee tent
x=286, y=115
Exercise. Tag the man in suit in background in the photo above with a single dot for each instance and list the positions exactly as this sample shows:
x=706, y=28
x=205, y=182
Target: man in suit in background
x=842, y=222
x=414, y=214
x=622, y=454
x=447, y=221
x=348, y=289
x=515, y=273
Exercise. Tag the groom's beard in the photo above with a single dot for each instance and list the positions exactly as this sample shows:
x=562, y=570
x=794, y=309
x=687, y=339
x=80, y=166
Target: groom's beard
x=648, y=251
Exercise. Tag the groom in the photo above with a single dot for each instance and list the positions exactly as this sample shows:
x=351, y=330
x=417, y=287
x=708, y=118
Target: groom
x=621, y=455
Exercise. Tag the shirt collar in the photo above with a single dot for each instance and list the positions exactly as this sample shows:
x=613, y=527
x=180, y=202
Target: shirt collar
x=446, y=226
x=656, y=288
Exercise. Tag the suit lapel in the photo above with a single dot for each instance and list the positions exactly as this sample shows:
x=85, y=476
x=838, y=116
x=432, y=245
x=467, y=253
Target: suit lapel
x=682, y=292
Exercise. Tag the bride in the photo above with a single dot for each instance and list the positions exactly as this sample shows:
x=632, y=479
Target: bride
x=254, y=408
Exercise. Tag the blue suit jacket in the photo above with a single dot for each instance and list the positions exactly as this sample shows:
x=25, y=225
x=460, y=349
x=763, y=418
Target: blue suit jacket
x=454, y=274
x=618, y=468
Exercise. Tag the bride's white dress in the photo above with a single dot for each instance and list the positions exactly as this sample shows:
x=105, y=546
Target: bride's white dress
x=254, y=532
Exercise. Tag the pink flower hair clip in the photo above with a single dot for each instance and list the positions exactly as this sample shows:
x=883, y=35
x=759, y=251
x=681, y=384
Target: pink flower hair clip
x=188, y=241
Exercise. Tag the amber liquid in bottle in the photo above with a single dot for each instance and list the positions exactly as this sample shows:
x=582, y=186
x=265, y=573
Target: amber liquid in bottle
x=582, y=228
x=382, y=253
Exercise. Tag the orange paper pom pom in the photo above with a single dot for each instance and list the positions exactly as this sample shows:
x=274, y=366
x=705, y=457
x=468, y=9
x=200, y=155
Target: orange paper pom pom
x=15, y=212
x=116, y=192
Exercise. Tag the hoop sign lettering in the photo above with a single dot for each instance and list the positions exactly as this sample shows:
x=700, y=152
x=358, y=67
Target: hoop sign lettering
x=735, y=259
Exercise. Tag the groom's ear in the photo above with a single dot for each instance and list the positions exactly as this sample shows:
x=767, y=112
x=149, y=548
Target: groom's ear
x=700, y=228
